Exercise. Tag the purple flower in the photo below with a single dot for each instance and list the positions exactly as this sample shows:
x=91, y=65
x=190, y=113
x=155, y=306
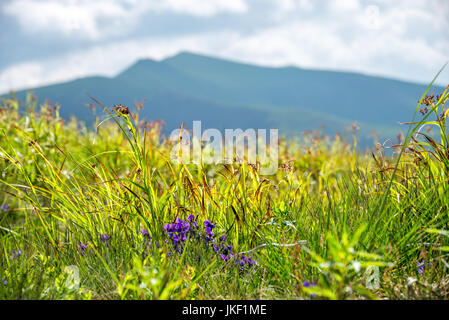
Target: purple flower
x=81, y=248
x=168, y=228
x=209, y=224
x=146, y=237
x=421, y=266
x=208, y=231
x=4, y=207
x=4, y=281
x=105, y=239
x=242, y=261
x=308, y=284
x=226, y=258
x=16, y=253
x=178, y=232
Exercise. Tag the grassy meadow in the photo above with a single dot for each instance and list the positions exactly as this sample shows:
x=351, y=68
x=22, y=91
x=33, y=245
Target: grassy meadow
x=104, y=213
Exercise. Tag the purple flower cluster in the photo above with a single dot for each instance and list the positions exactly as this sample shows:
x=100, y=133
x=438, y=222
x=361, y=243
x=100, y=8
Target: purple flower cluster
x=4, y=281
x=180, y=230
x=246, y=262
x=4, y=208
x=421, y=266
x=208, y=227
x=224, y=250
x=226, y=254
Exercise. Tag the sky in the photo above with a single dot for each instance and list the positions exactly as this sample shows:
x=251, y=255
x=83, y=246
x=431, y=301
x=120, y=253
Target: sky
x=48, y=41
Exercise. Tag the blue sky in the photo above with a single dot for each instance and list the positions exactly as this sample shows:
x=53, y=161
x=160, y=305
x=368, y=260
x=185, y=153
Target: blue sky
x=49, y=41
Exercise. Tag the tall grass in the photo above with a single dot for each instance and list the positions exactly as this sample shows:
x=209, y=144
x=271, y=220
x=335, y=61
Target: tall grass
x=318, y=228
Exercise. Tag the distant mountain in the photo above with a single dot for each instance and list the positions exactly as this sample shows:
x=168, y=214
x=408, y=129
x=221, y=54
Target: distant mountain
x=226, y=94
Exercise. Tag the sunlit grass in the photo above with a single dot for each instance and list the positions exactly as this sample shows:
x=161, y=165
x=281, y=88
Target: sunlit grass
x=318, y=228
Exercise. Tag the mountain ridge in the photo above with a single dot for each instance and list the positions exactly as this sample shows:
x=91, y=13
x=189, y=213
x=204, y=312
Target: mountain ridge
x=228, y=94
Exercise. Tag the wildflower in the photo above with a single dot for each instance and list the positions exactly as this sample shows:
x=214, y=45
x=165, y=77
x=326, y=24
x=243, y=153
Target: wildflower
x=242, y=261
x=208, y=231
x=421, y=266
x=145, y=232
x=251, y=262
x=16, y=253
x=81, y=248
x=209, y=224
x=178, y=232
x=193, y=224
x=121, y=109
x=226, y=258
x=4, y=207
x=105, y=239
x=4, y=281
x=308, y=284
x=208, y=227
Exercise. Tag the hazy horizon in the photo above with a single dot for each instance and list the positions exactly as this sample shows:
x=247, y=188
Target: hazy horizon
x=218, y=58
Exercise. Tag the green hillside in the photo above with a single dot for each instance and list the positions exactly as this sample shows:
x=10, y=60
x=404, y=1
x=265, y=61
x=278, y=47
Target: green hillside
x=224, y=94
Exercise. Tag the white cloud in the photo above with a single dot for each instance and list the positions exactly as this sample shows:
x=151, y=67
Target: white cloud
x=306, y=5
x=22, y=75
x=70, y=18
x=344, y=6
x=200, y=7
x=407, y=41
x=100, y=18
x=106, y=60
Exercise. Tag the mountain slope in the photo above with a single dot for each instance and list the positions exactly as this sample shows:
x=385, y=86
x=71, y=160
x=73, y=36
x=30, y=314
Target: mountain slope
x=349, y=95
x=225, y=94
